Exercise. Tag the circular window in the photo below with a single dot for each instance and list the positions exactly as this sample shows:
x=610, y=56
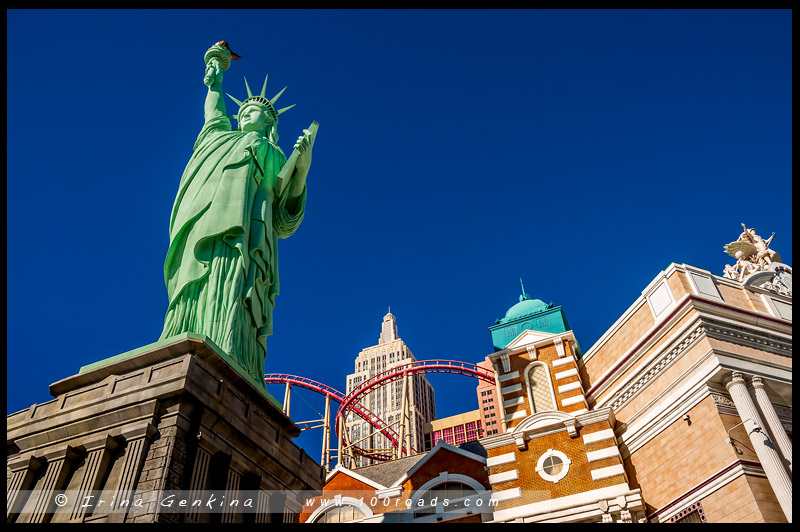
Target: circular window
x=553, y=465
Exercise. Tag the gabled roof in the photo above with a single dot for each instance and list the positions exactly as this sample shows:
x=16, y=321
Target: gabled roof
x=439, y=446
x=385, y=473
x=358, y=476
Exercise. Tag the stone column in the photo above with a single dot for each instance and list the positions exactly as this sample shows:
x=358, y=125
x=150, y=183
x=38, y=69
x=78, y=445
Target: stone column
x=771, y=418
x=199, y=481
x=231, y=514
x=59, y=463
x=97, y=463
x=136, y=441
x=23, y=476
x=262, y=512
x=767, y=455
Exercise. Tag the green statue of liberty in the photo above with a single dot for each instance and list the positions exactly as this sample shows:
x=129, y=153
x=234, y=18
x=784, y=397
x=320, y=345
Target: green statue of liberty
x=238, y=195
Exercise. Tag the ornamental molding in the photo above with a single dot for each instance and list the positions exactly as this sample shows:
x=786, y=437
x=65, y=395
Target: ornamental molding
x=749, y=337
x=652, y=370
x=717, y=329
x=722, y=400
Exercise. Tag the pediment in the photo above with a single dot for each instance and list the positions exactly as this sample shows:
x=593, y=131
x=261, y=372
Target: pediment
x=542, y=420
x=529, y=337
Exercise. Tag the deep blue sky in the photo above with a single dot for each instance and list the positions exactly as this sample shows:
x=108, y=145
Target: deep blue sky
x=457, y=152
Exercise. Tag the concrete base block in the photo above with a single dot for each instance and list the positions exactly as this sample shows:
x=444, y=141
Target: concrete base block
x=127, y=439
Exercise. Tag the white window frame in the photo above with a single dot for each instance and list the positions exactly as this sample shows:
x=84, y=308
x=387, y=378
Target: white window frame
x=561, y=474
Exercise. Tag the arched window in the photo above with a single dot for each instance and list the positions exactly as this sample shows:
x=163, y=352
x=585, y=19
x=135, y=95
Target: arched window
x=449, y=492
x=340, y=514
x=540, y=389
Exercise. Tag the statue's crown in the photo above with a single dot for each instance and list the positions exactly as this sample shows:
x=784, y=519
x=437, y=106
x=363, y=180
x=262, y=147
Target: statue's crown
x=261, y=100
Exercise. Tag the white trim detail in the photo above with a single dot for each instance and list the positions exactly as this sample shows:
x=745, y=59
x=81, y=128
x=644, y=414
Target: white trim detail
x=563, y=361
x=337, y=502
x=569, y=387
x=559, y=343
x=501, y=459
x=511, y=389
x=660, y=298
x=441, y=479
x=504, y=495
x=565, y=461
x=778, y=307
x=575, y=399
x=508, y=376
x=506, y=476
x=572, y=372
x=605, y=472
x=601, y=454
x=353, y=474
x=516, y=415
x=552, y=506
x=600, y=435
x=702, y=283
x=513, y=402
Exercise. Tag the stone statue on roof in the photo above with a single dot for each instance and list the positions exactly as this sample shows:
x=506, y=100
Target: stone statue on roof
x=752, y=253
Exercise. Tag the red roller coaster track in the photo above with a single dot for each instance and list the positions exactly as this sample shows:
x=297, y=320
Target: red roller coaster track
x=350, y=403
x=375, y=421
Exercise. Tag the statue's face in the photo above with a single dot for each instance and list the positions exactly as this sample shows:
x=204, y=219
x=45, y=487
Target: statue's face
x=253, y=118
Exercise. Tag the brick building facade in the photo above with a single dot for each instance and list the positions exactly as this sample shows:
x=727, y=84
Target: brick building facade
x=680, y=412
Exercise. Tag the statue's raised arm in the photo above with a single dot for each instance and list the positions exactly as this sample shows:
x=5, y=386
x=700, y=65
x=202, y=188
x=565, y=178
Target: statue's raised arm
x=217, y=59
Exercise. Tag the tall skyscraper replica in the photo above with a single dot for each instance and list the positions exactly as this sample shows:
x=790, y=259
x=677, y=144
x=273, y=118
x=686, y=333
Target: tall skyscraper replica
x=386, y=402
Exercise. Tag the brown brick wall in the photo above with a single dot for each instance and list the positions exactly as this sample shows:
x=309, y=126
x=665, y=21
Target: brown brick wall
x=547, y=355
x=578, y=479
x=443, y=460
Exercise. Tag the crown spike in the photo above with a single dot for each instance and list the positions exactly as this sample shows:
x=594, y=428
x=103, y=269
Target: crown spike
x=275, y=98
x=286, y=108
x=249, y=94
x=264, y=88
x=234, y=99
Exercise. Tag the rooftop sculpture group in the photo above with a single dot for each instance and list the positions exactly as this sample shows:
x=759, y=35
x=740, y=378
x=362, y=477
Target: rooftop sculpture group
x=752, y=255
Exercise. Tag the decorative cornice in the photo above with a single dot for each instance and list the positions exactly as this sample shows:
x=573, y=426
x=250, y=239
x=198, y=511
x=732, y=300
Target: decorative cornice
x=653, y=369
x=724, y=402
x=713, y=328
x=748, y=336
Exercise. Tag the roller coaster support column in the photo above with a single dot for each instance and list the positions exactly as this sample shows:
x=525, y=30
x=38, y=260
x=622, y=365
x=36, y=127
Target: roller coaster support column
x=403, y=401
x=341, y=453
x=407, y=418
x=326, y=436
x=287, y=398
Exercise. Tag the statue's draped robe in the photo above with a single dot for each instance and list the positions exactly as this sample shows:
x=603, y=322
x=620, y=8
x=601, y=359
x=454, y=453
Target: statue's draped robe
x=221, y=269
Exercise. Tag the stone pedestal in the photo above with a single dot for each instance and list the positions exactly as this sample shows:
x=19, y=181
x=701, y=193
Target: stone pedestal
x=127, y=439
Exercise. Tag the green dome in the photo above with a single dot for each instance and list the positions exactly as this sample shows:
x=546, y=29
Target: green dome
x=524, y=308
